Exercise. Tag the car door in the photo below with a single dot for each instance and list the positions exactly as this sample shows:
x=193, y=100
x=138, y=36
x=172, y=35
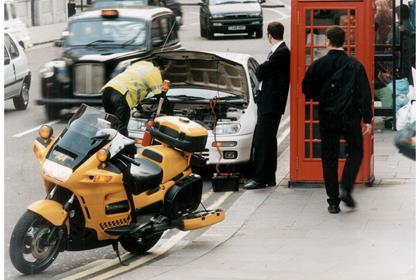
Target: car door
x=9, y=75
x=18, y=62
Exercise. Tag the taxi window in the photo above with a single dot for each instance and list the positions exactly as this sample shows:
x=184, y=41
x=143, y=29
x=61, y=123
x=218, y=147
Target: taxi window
x=11, y=47
x=156, y=31
x=6, y=13
x=126, y=32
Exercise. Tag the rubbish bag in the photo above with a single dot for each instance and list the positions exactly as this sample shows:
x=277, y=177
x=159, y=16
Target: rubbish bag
x=406, y=141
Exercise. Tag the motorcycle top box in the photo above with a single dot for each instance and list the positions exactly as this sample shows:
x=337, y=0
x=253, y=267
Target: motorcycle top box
x=181, y=133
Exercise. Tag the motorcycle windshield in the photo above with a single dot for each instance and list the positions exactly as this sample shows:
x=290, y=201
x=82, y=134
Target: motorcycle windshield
x=77, y=142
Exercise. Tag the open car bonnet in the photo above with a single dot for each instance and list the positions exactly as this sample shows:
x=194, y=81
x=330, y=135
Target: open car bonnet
x=191, y=69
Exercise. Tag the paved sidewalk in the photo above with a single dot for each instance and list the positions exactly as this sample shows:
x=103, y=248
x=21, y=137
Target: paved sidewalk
x=288, y=234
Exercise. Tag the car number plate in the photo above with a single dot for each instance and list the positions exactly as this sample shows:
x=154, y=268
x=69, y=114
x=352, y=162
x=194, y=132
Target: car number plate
x=240, y=27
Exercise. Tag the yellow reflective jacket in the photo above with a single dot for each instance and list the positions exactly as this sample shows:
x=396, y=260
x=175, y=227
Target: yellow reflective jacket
x=136, y=81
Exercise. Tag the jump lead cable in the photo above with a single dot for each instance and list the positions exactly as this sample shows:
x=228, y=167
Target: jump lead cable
x=213, y=105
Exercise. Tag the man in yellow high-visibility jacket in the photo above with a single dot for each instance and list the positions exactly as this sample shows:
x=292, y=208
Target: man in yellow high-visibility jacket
x=126, y=90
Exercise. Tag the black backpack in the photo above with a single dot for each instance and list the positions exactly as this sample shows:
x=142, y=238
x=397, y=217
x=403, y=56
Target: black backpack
x=336, y=95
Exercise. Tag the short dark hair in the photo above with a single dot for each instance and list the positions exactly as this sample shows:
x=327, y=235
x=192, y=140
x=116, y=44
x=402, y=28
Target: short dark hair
x=276, y=30
x=336, y=35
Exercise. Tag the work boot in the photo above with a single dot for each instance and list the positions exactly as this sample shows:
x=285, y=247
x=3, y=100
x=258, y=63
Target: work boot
x=346, y=197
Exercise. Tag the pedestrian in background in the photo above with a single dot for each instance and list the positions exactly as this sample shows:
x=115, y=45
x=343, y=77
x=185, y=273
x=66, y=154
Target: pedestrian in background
x=274, y=77
x=341, y=86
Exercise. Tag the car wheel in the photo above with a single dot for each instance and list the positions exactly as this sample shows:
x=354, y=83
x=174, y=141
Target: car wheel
x=259, y=33
x=52, y=111
x=21, y=101
x=202, y=31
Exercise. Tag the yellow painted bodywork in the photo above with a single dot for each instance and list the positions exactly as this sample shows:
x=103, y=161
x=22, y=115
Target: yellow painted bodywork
x=205, y=220
x=173, y=162
x=50, y=210
x=182, y=125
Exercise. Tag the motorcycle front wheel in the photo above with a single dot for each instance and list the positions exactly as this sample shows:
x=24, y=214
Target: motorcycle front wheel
x=34, y=244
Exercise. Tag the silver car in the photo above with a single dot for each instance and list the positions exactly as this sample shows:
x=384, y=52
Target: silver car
x=17, y=76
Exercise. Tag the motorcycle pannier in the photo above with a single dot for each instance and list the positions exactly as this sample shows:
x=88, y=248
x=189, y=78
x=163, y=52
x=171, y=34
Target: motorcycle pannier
x=180, y=133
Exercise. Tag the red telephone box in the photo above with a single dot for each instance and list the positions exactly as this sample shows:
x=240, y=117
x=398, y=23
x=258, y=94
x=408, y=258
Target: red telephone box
x=310, y=20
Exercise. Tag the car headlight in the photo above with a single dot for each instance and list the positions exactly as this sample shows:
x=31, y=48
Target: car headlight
x=257, y=14
x=58, y=66
x=227, y=128
x=137, y=125
x=120, y=68
x=217, y=16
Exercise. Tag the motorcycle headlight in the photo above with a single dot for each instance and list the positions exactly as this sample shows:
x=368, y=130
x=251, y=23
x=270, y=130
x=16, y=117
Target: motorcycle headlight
x=56, y=171
x=120, y=68
x=227, y=128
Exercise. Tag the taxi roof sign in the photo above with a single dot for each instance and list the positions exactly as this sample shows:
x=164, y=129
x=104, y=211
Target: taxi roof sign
x=110, y=13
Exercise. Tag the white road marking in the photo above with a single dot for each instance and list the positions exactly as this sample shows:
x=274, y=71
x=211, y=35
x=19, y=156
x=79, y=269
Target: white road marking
x=283, y=136
x=33, y=129
x=154, y=253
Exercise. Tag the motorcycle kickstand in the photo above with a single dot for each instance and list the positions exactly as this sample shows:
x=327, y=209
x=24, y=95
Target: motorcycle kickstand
x=115, y=247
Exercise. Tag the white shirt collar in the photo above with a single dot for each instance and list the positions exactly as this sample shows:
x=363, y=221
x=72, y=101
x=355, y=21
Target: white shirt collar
x=274, y=47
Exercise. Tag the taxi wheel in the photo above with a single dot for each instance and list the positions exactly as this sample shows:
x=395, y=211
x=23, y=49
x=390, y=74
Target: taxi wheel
x=52, y=111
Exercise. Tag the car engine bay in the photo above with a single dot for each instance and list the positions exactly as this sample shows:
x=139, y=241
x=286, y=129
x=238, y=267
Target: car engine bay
x=204, y=114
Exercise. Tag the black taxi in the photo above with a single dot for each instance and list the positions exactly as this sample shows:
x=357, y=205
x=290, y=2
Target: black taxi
x=98, y=45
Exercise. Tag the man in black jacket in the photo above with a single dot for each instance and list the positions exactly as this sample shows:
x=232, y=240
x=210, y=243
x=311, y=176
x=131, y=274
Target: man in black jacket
x=346, y=124
x=274, y=75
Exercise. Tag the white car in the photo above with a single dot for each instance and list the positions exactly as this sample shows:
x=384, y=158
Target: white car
x=17, y=76
x=216, y=90
x=15, y=26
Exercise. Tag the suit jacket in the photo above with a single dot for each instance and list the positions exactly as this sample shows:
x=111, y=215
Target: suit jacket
x=275, y=75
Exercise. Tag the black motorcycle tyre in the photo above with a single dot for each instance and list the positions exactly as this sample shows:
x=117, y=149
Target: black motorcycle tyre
x=130, y=244
x=18, y=248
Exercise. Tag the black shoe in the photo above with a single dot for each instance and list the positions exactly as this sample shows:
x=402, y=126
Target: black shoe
x=272, y=183
x=334, y=209
x=253, y=185
x=345, y=196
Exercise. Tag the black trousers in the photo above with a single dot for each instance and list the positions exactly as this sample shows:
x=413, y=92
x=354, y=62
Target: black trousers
x=330, y=148
x=265, y=148
x=115, y=104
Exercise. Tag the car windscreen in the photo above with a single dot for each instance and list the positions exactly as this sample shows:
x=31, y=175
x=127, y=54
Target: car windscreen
x=221, y=2
x=118, y=3
x=121, y=31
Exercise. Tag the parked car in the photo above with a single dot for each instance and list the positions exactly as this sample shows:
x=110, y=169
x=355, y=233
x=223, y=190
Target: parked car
x=96, y=47
x=17, y=76
x=15, y=26
x=173, y=5
x=215, y=89
x=231, y=16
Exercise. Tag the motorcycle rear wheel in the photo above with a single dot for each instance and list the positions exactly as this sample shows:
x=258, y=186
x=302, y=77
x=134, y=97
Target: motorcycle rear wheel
x=131, y=244
x=28, y=249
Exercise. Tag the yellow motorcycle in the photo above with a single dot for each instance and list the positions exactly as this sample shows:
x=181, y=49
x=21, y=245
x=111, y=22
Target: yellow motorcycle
x=98, y=195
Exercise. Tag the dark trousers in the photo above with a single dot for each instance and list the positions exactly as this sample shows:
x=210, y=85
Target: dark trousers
x=115, y=104
x=265, y=147
x=330, y=148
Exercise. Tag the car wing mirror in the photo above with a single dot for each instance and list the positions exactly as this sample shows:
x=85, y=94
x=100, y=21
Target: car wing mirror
x=59, y=42
x=6, y=60
x=261, y=1
x=157, y=42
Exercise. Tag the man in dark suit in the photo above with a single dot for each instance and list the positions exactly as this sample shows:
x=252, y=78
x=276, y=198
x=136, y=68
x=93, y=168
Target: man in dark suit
x=274, y=77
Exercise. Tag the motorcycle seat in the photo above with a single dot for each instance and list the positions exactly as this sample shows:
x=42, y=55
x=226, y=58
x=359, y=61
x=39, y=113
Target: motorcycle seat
x=147, y=175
